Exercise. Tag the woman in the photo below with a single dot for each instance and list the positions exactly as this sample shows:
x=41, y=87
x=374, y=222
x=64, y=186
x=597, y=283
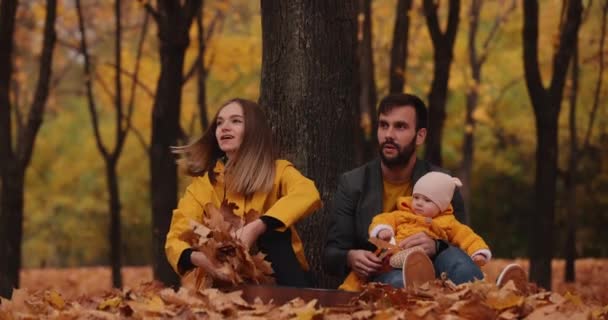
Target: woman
x=234, y=160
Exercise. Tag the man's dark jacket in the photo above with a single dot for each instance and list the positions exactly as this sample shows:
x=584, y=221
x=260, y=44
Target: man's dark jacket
x=357, y=200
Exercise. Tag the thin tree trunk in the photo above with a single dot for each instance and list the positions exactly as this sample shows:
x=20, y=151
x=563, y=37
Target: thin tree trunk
x=311, y=97
x=570, y=185
x=14, y=161
x=443, y=44
x=401, y=33
x=115, y=223
x=174, y=20
x=471, y=103
x=368, y=93
x=476, y=62
x=546, y=104
x=201, y=97
x=12, y=229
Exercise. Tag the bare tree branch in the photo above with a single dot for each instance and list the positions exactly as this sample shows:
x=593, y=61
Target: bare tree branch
x=16, y=107
x=89, y=82
x=142, y=85
x=66, y=44
x=201, y=52
x=498, y=21
x=153, y=12
x=600, y=73
x=104, y=86
x=118, y=103
x=36, y=112
x=135, y=78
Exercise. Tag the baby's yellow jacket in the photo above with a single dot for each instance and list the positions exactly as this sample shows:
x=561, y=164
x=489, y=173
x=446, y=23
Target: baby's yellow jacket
x=406, y=223
x=403, y=223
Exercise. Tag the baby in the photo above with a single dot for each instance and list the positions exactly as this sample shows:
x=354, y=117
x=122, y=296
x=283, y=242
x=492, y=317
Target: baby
x=429, y=210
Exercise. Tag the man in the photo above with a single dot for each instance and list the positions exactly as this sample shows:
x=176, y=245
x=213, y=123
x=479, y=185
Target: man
x=374, y=188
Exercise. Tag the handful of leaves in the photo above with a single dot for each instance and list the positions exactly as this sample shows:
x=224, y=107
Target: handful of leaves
x=227, y=261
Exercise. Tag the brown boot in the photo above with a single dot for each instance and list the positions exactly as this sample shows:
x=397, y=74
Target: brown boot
x=517, y=274
x=417, y=269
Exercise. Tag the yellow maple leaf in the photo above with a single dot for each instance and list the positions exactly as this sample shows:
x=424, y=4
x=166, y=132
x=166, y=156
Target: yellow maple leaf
x=54, y=299
x=504, y=298
x=110, y=303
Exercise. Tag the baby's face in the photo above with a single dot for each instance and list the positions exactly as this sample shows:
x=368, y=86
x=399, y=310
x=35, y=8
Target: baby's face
x=424, y=206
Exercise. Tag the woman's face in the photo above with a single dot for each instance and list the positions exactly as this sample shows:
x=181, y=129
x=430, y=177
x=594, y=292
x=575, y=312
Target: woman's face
x=230, y=128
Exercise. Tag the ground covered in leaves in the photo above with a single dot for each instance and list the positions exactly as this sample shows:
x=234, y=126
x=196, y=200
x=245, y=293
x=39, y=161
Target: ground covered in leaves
x=85, y=293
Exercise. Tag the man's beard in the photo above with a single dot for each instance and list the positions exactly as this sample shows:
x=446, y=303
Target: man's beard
x=403, y=155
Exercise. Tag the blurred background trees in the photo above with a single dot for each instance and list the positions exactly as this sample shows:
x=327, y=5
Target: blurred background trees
x=175, y=62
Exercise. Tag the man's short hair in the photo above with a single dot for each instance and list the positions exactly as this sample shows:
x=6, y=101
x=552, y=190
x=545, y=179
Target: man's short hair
x=395, y=100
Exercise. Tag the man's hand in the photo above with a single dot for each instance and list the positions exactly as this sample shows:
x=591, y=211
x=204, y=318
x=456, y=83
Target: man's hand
x=420, y=239
x=364, y=263
x=385, y=234
x=249, y=233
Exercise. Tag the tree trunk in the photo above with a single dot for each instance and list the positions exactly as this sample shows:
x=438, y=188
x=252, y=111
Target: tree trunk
x=472, y=98
x=114, y=232
x=570, y=184
x=368, y=94
x=201, y=97
x=401, y=33
x=11, y=224
x=443, y=44
x=174, y=24
x=546, y=104
x=14, y=162
x=309, y=89
x=8, y=11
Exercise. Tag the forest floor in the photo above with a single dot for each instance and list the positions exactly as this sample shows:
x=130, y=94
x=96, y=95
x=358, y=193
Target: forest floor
x=590, y=286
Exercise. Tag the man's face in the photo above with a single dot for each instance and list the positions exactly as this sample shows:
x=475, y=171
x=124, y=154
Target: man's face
x=397, y=136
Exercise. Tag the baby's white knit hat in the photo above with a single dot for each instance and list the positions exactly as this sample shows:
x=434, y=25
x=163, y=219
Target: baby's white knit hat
x=437, y=186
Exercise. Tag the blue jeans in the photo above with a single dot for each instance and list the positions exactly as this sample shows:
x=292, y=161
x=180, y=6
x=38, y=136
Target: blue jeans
x=458, y=266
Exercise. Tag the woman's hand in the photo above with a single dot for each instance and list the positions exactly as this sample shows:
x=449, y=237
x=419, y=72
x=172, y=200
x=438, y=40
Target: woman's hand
x=250, y=233
x=201, y=260
x=420, y=239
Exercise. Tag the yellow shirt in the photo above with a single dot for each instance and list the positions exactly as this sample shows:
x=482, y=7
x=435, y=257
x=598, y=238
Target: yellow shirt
x=392, y=192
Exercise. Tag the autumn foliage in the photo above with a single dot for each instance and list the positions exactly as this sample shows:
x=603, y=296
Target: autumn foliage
x=440, y=299
x=228, y=260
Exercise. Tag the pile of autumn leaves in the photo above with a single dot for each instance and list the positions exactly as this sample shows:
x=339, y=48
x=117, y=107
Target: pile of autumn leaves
x=437, y=300
x=229, y=264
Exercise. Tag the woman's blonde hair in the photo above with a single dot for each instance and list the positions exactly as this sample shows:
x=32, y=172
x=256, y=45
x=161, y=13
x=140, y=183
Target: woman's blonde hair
x=253, y=168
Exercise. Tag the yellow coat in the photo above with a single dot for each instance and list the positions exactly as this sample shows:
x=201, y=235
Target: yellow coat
x=293, y=196
x=404, y=223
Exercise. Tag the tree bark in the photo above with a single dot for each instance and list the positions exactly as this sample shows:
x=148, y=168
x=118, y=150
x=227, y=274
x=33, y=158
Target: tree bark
x=401, y=33
x=174, y=21
x=201, y=97
x=443, y=44
x=309, y=89
x=12, y=229
x=477, y=59
x=114, y=232
x=471, y=103
x=546, y=104
x=570, y=183
x=14, y=161
x=368, y=94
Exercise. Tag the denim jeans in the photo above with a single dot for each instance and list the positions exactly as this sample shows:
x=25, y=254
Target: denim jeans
x=458, y=266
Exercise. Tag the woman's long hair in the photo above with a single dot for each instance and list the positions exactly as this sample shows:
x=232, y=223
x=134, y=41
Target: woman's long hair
x=253, y=168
